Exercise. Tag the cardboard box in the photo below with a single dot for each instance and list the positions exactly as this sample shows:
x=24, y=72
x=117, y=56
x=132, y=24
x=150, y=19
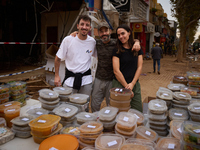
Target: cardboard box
x=51, y=51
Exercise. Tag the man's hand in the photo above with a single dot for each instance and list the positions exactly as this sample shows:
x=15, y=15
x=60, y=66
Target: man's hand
x=57, y=81
x=136, y=46
x=74, y=33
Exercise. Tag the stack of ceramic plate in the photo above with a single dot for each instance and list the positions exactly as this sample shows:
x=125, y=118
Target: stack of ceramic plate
x=49, y=99
x=157, y=115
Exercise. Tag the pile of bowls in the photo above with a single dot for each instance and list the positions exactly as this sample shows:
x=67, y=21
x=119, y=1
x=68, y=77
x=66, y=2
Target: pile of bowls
x=190, y=135
x=18, y=91
x=107, y=117
x=81, y=101
x=194, y=111
x=49, y=99
x=175, y=129
x=109, y=141
x=157, y=116
x=83, y=117
x=165, y=94
x=63, y=92
x=120, y=98
x=20, y=126
x=140, y=144
x=89, y=132
x=126, y=124
x=67, y=113
x=181, y=100
x=178, y=114
x=36, y=112
x=139, y=115
x=44, y=126
x=4, y=94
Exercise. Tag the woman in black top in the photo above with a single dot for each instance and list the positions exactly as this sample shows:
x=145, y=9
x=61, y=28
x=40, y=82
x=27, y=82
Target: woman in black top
x=127, y=65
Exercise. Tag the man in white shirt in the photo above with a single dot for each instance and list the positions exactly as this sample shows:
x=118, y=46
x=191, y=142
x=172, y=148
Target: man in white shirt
x=77, y=54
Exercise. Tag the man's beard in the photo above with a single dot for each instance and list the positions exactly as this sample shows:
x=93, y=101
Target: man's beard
x=106, y=39
x=86, y=33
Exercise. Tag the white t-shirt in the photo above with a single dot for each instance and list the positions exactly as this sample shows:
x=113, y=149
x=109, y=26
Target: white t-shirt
x=77, y=55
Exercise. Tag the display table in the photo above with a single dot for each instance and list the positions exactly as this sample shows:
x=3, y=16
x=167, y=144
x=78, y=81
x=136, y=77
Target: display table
x=20, y=144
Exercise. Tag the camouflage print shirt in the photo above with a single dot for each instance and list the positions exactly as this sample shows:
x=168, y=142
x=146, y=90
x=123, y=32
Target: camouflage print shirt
x=104, y=53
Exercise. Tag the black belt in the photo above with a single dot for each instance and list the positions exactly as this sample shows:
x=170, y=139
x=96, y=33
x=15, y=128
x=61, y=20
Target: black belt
x=77, y=77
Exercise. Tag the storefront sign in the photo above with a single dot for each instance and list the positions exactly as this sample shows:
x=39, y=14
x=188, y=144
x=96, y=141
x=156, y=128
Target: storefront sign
x=162, y=39
x=137, y=27
x=157, y=34
x=150, y=27
x=121, y=5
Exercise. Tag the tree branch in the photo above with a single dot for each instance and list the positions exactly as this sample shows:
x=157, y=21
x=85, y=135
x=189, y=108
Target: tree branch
x=193, y=21
x=180, y=3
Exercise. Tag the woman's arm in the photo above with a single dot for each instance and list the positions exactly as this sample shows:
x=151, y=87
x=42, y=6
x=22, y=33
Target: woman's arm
x=137, y=74
x=117, y=72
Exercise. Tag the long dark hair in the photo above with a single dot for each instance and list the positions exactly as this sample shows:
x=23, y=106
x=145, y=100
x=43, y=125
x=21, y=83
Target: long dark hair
x=130, y=40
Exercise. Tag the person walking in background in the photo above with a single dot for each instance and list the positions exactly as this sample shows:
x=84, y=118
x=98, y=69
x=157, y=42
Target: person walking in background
x=156, y=53
x=174, y=50
x=127, y=65
x=163, y=48
x=154, y=44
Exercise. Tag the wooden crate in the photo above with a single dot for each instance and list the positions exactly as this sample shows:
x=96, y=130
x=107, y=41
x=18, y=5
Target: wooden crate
x=36, y=85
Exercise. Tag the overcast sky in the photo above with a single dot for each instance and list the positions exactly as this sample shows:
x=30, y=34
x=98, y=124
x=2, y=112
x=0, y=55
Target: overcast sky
x=167, y=9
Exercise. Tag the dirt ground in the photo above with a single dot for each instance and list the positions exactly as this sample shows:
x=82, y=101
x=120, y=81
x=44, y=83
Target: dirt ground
x=149, y=81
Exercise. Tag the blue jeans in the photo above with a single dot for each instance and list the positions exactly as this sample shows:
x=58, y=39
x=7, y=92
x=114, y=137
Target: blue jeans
x=154, y=64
